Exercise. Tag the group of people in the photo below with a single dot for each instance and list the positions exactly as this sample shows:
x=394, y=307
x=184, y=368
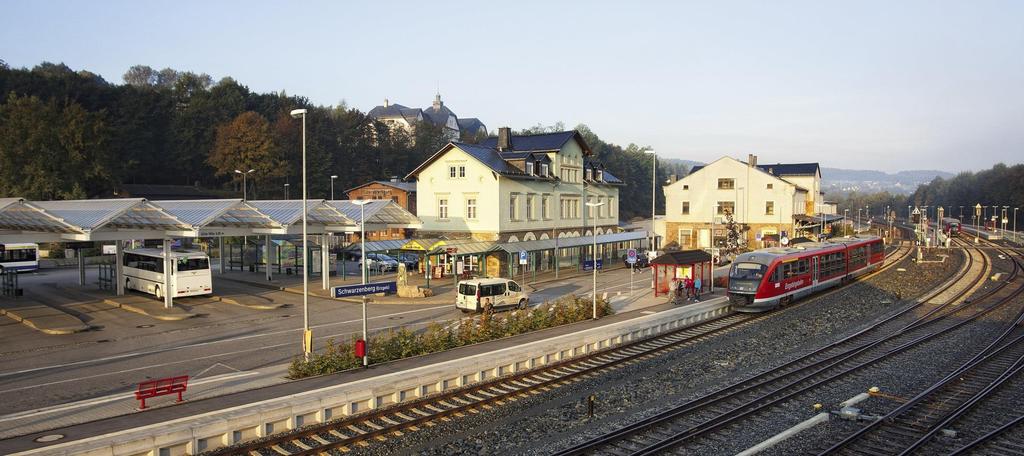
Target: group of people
x=692, y=288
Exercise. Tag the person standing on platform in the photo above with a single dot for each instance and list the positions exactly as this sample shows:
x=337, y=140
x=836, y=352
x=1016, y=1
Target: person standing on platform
x=697, y=289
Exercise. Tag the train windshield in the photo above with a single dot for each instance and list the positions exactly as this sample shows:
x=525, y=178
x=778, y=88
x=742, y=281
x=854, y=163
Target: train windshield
x=747, y=271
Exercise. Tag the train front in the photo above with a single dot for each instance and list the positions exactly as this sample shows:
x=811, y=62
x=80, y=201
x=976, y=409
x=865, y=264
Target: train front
x=745, y=278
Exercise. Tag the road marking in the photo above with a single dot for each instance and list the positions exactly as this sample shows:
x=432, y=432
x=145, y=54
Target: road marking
x=113, y=397
x=202, y=344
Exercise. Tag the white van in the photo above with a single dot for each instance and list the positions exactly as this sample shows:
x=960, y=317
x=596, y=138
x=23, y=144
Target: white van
x=488, y=294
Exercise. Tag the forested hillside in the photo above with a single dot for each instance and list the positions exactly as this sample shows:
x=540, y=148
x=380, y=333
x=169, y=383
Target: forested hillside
x=71, y=134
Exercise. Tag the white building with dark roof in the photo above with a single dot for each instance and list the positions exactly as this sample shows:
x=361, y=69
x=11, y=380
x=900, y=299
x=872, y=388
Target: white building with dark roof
x=768, y=200
x=516, y=188
x=399, y=116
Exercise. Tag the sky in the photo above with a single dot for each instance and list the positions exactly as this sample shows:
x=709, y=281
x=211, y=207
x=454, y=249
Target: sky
x=852, y=84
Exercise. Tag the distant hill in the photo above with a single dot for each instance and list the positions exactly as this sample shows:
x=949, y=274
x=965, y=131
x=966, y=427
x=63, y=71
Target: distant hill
x=837, y=180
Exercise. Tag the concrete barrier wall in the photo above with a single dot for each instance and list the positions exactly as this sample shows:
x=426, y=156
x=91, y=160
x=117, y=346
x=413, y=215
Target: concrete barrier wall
x=225, y=427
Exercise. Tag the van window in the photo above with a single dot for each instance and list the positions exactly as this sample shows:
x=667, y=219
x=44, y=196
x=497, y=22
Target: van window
x=512, y=286
x=492, y=290
x=467, y=289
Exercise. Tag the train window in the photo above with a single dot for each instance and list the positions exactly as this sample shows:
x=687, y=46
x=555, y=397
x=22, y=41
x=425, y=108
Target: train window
x=747, y=271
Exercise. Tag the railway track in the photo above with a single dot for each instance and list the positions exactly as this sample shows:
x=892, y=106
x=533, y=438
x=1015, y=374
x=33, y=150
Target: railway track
x=705, y=415
x=361, y=430
x=913, y=427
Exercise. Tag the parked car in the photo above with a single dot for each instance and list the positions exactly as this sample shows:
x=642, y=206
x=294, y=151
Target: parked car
x=382, y=261
x=489, y=294
x=410, y=260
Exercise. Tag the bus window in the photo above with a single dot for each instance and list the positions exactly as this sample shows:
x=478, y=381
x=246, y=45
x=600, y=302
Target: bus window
x=192, y=264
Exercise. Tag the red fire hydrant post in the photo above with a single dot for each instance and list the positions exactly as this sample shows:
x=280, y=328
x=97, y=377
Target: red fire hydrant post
x=360, y=348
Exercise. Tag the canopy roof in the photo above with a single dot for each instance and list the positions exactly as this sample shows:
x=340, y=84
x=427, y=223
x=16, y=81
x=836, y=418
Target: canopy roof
x=562, y=243
x=138, y=218
x=378, y=213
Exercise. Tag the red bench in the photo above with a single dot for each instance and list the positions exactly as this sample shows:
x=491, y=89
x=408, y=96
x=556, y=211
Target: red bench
x=161, y=387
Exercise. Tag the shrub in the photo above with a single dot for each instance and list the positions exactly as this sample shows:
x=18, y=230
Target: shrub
x=403, y=342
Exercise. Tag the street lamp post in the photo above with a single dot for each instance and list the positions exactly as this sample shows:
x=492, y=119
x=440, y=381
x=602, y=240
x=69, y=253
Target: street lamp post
x=307, y=334
x=858, y=221
x=362, y=255
x=1015, y=224
x=333, y=176
x=593, y=257
x=961, y=215
x=654, y=192
x=245, y=188
x=286, y=190
x=846, y=218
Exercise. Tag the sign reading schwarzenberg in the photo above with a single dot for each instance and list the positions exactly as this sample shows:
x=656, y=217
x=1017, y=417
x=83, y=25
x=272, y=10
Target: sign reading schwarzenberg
x=365, y=289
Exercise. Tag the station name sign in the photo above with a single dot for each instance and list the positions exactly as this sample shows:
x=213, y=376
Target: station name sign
x=365, y=289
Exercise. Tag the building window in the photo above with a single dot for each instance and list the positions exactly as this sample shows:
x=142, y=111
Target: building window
x=686, y=187
x=685, y=237
x=513, y=207
x=442, y=208
x=451, y=172
x=530, y=214
x=611, y=208
x=462, y=171
x=600, y=175
x=769, y=207
x=544, y=169
x=770, y=186
x=726, y=184
x=685, y=209
x=725, y=207
x=590, y=209
x=601, y=210
x=587, y=176
x=545, y=204
x=529, y=168
x=471, y=208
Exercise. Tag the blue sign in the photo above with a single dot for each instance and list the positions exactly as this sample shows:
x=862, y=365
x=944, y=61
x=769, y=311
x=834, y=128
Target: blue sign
x=365, y=289
x=589, y=264
x=522, y=257
x=631, y=256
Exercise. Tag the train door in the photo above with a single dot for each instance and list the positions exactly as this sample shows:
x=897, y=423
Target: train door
x=814, y=269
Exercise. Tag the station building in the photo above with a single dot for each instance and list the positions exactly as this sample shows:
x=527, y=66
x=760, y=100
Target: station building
x=769, y=200
x=401, y=193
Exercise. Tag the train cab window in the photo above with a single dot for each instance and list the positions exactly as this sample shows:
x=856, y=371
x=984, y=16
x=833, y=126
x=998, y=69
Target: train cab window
x=747, y=271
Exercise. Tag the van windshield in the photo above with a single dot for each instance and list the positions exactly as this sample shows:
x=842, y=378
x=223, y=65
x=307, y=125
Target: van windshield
x=467, y=289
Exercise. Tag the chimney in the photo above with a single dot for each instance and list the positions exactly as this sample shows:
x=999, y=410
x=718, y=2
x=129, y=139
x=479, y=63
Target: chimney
x=394, y=179
x=504, y=139
x=752, y=160
x=386, y=103
x=672, y=179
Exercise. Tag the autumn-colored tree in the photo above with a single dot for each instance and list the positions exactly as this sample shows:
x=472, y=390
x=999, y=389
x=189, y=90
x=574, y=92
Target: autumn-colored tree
x=246, y=143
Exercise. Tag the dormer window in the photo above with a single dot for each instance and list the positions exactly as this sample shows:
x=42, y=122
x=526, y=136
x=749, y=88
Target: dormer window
x=589, y=175
x=544, y=169
x=529, y=168
x=600, y=175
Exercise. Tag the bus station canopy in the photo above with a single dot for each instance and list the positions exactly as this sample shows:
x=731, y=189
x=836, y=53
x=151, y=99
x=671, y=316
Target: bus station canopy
x=565, y=243
x=137, y=218
x=380, y=214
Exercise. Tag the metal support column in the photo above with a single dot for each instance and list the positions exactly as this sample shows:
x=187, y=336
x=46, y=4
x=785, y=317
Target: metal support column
x=220, y=251
x=81, y=267
x=168, y=266
x=325, y=258
x=119, y=267
x=267, y=256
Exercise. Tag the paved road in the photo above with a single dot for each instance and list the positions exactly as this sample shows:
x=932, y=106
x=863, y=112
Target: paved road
x=41, y=371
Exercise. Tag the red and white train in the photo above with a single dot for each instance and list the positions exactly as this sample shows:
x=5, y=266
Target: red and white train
x=764, y=279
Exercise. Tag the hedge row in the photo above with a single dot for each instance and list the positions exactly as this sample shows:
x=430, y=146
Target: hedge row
x=403, y=343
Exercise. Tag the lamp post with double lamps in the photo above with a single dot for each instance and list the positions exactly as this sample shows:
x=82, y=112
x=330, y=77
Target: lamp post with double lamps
x=245, y=188
x=307, y=334
x=977, y=219
x=593, y=256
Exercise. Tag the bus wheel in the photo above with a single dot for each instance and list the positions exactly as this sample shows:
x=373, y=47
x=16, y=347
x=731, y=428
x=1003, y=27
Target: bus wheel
x=156, y=291
x=127, y=284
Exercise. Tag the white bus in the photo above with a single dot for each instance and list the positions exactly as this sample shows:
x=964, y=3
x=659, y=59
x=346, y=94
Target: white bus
x=19, y=257
x=190, y=274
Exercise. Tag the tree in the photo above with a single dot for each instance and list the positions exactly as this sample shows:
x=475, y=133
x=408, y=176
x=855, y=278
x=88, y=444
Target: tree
x=735, y=239
x=246, y=143
x=140, y=76
x=51, y=150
